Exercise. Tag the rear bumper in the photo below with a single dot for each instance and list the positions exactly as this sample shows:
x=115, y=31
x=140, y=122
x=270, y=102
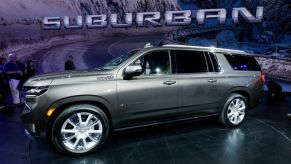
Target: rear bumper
x=257, y=98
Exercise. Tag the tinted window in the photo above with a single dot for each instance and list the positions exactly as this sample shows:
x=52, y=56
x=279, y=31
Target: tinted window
x=190, y=61
x=155, y=63
x=243, y=63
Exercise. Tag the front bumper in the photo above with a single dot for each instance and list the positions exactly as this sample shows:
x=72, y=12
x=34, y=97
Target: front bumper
x=33, y=121
x=27, y=120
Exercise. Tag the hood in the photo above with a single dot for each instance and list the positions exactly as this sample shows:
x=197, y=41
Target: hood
x=46, y=79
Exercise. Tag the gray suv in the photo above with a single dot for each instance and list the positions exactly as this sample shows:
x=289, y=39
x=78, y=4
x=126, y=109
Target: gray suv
x=151, y=86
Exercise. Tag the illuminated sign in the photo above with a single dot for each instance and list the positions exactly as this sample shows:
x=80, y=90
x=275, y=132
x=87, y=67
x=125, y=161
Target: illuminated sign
x=171, y=18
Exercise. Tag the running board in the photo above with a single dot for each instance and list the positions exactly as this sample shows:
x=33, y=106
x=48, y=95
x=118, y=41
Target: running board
x=166, y=122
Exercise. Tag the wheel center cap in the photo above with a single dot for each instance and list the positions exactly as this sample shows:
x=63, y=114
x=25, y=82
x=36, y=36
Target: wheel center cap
x=236, y=113
x=82, y=129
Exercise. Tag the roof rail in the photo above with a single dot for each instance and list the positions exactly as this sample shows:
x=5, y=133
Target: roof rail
x=212, y=49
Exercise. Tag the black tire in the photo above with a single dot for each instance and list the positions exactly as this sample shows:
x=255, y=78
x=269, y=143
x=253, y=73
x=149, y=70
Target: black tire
x=224, y=119
x=57, y=137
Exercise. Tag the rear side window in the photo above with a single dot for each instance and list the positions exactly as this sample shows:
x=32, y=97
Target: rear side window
x=242, y=62
x=190, y=61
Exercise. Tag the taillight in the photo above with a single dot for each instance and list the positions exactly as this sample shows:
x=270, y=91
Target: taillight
x=263, y=76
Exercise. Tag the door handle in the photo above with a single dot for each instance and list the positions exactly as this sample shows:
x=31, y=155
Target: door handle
x=169, y=82
x=212, y=80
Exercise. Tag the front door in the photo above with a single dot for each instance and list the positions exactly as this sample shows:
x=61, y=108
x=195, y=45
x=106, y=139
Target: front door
x=152, y=95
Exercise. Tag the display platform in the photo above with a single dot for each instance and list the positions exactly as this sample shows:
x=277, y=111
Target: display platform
x=264, y=137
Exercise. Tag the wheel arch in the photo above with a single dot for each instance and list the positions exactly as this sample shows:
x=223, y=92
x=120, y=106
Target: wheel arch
x=244, y=91
x=71, y=101
x=245, y=94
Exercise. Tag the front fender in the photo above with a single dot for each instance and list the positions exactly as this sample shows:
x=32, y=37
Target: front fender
x=83, y=98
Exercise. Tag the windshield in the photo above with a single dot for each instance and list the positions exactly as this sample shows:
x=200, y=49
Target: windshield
x=117, y=61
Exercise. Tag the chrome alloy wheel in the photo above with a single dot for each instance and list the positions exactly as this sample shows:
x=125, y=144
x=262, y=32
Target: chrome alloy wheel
x=236, y=111
x=81, y=132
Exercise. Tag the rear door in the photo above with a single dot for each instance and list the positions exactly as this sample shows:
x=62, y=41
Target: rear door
x=198, y=90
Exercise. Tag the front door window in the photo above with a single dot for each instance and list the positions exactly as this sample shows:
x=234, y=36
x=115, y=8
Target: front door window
x=155, y=63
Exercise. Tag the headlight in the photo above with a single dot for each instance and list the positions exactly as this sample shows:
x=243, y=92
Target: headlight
x=35, y=91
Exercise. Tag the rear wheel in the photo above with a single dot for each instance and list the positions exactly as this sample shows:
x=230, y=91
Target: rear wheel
x=234, y=110
x=80, y=129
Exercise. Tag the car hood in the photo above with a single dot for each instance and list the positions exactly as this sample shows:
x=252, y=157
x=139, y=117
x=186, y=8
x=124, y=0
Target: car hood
x=46, y=79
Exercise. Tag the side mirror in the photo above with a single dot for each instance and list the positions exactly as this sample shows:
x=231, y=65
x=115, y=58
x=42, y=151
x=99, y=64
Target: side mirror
x=132, y=70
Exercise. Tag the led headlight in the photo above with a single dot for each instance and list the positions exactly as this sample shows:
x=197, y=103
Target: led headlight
x=36, y=91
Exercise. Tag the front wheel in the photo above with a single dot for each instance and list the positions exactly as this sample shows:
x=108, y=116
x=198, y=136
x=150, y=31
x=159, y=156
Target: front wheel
x=234, y=110
x=80, y=129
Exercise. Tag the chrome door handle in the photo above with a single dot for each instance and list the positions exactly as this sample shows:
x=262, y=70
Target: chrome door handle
x=212, y=80
x=169, y=82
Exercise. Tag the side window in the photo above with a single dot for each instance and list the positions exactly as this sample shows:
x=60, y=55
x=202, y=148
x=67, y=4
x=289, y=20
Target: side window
x=243, y=62
x=190, y=61
x=155, y=63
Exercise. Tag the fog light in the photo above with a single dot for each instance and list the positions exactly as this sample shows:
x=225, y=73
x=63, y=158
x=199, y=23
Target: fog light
x=50, y=111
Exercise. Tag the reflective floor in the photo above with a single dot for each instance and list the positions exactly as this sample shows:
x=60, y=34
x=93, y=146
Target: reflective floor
x=265, y=137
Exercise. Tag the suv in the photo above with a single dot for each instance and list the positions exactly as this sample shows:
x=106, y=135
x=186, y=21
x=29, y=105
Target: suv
x=151, y=86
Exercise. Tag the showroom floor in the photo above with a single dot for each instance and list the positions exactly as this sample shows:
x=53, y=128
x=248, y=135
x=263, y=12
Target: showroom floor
x=265, y=137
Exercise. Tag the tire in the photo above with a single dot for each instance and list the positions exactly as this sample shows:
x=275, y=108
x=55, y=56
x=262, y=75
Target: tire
x=234, y=111
x=71, y=136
